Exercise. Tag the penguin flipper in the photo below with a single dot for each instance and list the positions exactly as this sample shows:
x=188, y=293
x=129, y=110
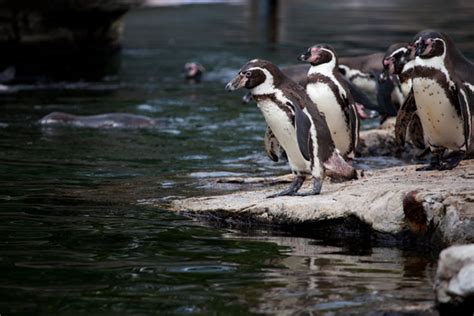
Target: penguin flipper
x=403, y=118
x=415, y=130
x=303, y=126
x=384, y=97
x=464, y=99
x=272, y=146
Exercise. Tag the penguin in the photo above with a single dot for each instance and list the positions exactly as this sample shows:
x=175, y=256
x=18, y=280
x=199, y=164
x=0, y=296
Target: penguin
x=326, y=87
x=193, y=72
x=442, y=89
x=297, y=124
x=299, y=73
x=399, y=62
x=362, y=70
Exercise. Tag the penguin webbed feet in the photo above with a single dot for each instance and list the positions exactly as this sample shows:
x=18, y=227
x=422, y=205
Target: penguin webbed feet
x=292, y=190
x=316, y=190
x=437, y=162
x=452, y=161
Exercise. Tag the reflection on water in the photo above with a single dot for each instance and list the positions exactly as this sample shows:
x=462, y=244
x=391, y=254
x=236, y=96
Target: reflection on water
x=76, y=234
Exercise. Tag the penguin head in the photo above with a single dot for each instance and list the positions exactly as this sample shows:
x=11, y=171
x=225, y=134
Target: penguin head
x=193, y=71
x=429, y=44
x=319, y=54
x=256, y=73
x=396, y=57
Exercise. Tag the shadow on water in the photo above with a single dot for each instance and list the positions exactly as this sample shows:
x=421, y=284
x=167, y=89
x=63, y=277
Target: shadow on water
x=74, y=236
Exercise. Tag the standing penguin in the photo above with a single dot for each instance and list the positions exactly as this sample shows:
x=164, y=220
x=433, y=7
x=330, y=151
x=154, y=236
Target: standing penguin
x=326, y=87
x=296, y=123
x=443, y=81
x=399, y=61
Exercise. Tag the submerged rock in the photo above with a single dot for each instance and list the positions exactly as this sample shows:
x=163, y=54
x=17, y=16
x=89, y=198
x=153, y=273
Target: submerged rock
x=455, y=281
x=389, y=205
x=108, y=120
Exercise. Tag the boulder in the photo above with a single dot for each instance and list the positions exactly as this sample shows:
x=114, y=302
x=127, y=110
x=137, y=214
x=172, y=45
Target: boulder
x=394, y=205
x=454, y=283
x=61, y=39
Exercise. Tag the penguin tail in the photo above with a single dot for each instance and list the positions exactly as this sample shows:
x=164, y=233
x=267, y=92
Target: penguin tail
x=338, y=169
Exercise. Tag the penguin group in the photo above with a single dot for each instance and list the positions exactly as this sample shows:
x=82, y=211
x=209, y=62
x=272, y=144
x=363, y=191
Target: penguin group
x=313, y=110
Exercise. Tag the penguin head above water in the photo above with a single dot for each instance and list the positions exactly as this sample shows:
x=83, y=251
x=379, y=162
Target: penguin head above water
x=397, y=56
x=319, y=54
x=257, y=73
x=429, y=44
x=193, y=71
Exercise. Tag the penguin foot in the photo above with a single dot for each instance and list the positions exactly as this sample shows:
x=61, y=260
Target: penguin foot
x=292, y=189
x=316, y=190
x=452, y=161
x=282, y=193
x=429, y=167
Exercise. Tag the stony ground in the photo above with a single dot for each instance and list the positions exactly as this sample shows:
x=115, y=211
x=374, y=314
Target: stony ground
x=435, y=205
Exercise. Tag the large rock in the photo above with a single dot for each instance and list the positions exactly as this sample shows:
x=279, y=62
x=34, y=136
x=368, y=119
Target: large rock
x=388, y=205
x=455, y=281
x=60, y=37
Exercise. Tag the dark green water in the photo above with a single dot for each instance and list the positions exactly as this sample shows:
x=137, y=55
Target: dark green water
x=76, y=234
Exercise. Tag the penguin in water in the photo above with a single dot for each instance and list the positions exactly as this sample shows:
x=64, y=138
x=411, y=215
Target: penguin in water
x=443, y=96
x=193, y=72
x=326, y=87
x=399, y=62
x=296, y=123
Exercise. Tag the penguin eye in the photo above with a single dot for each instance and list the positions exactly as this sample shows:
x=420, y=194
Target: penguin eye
x=248, y=74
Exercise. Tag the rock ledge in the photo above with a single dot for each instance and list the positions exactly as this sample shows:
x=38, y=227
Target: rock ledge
x=391, y=204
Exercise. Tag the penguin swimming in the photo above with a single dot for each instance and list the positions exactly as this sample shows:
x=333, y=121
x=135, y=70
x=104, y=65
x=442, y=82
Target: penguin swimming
x=296, y=123
x=442, y=97
x=326, y=87
x=107, y=120
x=193, y=72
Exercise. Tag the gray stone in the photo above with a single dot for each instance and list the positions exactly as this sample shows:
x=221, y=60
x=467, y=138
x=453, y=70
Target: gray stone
x=394, y=203
x=454, y=285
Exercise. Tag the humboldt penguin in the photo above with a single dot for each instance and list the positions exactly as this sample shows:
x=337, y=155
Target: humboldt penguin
x=326, y=87
x=399, y=62
x=362, y=70
x=443, y=81
x=299, y=74
x=297, y=124
x=107, y=120
x=193, y=72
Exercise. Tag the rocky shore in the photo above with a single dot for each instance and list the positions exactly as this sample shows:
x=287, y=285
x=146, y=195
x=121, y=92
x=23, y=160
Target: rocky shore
x=393, y=205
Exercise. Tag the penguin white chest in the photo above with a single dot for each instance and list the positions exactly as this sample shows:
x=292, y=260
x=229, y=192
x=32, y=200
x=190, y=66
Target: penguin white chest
x=441, y=123
x=285, y=132
x=323, y=96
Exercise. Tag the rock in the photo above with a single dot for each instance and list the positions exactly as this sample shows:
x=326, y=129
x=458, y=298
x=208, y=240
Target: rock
x=380, y=141
x=454, y=284
x=51, y=38
x=390, y=205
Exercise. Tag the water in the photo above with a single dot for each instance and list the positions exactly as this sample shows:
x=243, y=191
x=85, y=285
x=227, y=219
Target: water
x=76, y=235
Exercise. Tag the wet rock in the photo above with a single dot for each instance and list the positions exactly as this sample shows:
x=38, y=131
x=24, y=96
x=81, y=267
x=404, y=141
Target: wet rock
x=60, y=39
x=392, y=205
x=108, y=120
x=380, y=141
x=455, y=281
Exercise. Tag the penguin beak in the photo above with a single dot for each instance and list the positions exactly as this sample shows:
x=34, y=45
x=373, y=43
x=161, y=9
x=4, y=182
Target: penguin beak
x=238, y=82
x=388, y=68
x=305, y=56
